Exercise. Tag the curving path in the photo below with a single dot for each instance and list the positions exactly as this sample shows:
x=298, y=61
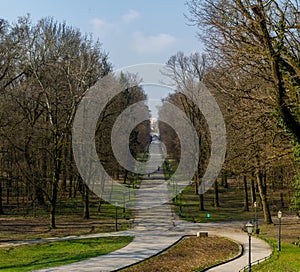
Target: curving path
x=156, y=229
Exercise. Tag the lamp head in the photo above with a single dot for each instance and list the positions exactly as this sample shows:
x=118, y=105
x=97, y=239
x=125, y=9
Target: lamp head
x=279, y=214
x=249, y=228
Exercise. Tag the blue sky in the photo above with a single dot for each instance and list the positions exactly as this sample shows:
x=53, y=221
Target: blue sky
x=131, y=31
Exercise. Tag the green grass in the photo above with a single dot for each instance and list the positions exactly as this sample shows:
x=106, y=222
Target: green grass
x=42, y=255
x=169, y=168
x=231, y=209
x=231, y=206
x=287, y=260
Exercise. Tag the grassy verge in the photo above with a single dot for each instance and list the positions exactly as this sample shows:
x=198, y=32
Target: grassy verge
x=231, y=206
x=287, y=260
x=191, y=254
x=42, y=255
x=169, y=168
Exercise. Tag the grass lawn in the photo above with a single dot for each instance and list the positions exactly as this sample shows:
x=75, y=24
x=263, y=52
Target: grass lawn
x=288, y=260
x=42, y=255
x=231, y=209
x=191, y=254
x=231, y=206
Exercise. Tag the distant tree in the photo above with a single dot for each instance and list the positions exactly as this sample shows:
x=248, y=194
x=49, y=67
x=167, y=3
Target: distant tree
x=185, y=71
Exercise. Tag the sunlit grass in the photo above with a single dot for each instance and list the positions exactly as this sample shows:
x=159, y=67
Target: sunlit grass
x=42, y=255
x=287, y=260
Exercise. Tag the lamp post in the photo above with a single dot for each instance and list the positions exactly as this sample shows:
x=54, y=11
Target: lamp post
x=116, y=216
x=249, y=228
x=256, y=218
x=180, y=203
x=124, y=204
x=279, y=230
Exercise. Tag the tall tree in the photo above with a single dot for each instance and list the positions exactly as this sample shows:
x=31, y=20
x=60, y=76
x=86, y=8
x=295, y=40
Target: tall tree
x=185, y=71
x=257, y=34
x=254, y=46
x=59, y=65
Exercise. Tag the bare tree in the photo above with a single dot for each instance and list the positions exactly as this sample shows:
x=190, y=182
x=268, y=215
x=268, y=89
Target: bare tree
x=254, y=50
x=260, y=38
x=186, y=72
x=59, y=65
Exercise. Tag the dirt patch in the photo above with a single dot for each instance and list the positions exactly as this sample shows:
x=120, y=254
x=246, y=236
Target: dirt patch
x=20, y=228
x=290, y=229
x=190, y=254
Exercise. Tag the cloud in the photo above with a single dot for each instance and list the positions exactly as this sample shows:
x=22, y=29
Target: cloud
x=130, y=16
x=152, y=44
x=101, y=27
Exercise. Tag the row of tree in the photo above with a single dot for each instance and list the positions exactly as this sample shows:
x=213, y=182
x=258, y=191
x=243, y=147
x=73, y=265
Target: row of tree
x=46, y=69
x=252, y=66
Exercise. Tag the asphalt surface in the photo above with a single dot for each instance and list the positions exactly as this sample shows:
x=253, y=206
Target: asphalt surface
x=156, y=229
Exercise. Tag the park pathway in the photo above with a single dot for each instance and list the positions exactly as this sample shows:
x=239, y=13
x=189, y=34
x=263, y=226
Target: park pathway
x=157, y=228
x=152, y=234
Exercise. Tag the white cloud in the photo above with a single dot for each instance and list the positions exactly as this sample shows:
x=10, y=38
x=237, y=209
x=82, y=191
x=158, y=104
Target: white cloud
x=130, y=16
x=152, y=44
x=101, y=27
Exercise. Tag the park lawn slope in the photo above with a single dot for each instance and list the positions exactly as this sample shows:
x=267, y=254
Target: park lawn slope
x=49, y=254
x=288, y=260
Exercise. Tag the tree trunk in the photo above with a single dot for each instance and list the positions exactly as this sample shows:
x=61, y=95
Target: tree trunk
x=252, y=188
x=196, y=188
x=85, y=199
x=246, y=200
x=224, y=180
x=201, y=196
x=53, y=204
x=275, y=59
x=1, y=206
x=125, y=177
x=99, y=205
x=196, y=185
x=263, y=196
x=76, y=186
x=216, y=198
x=70, y=185
x=39, y=195
x=8, y=189
x=55, y=181
x=201, y=200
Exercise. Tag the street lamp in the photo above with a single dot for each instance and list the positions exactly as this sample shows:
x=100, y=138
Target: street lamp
x=279, y=230
x=124, y=204
x=249, y=228
x=256, y=219
x=116, y=216
x=180, y=203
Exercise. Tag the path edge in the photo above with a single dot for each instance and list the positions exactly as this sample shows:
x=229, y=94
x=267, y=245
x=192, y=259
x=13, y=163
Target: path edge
x=156, y=254
x=240, y=254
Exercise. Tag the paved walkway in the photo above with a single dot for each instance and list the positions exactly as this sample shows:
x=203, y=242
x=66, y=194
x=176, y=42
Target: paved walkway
x=155, y=229
x=150, y=242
